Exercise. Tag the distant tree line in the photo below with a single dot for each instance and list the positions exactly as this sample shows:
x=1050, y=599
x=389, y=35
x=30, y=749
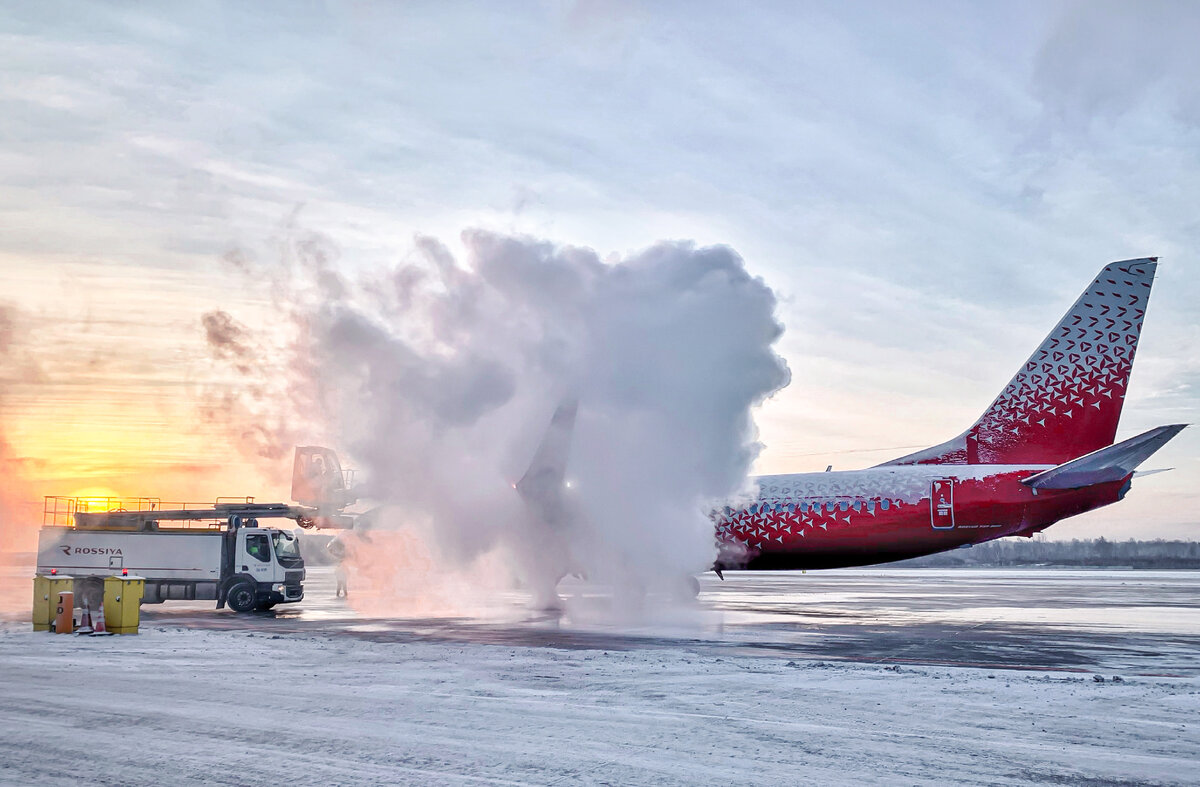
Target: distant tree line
x=1099, y=552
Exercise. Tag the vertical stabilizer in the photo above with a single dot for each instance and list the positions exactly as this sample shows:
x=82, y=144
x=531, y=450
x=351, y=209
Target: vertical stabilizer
x=1066, y=400
x=542, y=484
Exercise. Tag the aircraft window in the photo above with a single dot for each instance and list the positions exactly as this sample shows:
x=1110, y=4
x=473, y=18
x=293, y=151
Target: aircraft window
x=870, y=505
x=829, y=507
x=843, y=506
x=791, y=508
x=857, y=505
x=885, y=504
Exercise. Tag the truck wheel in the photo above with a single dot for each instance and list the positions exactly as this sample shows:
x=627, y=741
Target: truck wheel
x=240, y=597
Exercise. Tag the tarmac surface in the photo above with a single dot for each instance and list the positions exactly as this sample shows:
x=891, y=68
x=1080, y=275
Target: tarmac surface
x=846, y=677
x=1111, y=621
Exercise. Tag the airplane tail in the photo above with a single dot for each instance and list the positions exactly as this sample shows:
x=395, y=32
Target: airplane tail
x=542, y=484
x=1066, y=400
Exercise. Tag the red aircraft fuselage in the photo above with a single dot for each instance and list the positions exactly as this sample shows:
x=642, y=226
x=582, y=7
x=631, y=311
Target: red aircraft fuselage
x=853, y=518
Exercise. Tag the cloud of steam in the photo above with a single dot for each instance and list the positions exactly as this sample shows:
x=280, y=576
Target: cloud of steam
x=226, y=337
x=6, y=329
x=439, y=378
x=264, y=401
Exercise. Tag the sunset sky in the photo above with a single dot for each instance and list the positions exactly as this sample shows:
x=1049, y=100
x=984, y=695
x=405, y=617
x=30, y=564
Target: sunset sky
x=927, y=187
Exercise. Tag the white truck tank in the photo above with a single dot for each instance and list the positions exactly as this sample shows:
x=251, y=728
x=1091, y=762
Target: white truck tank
x=182, y=556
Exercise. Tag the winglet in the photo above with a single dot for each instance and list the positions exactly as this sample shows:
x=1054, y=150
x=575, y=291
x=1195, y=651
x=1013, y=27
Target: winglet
x=1108, y=464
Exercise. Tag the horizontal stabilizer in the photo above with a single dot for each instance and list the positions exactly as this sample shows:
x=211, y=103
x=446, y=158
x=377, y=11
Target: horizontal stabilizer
x=1108, y=464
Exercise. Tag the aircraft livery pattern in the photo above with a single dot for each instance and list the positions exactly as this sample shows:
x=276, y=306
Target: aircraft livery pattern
x=1066, y=400
x=790, y=507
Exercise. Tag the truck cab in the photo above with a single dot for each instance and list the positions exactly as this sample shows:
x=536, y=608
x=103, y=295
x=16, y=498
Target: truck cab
x=263, y=568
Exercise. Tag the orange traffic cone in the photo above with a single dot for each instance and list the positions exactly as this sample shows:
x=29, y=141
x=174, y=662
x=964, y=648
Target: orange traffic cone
x=85, y=620
x=98, y=625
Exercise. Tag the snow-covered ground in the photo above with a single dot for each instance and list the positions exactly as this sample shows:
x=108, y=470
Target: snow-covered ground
x=179, y=706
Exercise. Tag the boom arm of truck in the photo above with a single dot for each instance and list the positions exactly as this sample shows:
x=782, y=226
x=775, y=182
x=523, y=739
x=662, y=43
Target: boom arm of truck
x=234, y=513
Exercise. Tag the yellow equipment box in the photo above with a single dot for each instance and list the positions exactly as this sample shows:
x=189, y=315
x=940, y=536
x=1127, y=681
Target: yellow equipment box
x=122, y=600
x=46, y=588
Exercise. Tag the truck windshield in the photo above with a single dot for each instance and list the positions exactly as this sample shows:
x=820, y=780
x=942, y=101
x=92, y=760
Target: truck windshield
x=287, y=548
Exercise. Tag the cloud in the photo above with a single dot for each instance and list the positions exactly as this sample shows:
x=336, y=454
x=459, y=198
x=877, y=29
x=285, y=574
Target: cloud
x=1105, y=59
x=18, y=529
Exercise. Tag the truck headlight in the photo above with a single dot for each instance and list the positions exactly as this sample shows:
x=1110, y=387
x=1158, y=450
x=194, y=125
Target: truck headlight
x=277, y=588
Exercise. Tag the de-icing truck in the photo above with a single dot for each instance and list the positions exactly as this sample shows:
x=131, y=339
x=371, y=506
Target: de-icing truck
x=197, y=552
